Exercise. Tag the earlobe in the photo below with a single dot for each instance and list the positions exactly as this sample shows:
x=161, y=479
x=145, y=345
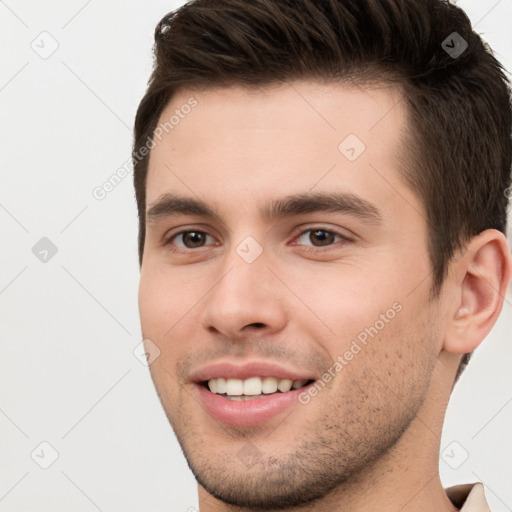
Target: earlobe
x=482, y=278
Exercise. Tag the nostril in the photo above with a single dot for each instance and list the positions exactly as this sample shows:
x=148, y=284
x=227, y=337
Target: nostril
x=259, y=325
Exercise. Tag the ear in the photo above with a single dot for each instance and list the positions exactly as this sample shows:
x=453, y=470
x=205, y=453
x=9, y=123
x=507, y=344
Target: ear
x=480, y=279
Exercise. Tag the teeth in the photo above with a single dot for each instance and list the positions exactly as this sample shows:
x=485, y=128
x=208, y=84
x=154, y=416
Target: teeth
x=269, y=385
x=221, y=386
x=252, y=386
x=237, y=388
x=284, y=385
x=234, y=387
x=296, y=384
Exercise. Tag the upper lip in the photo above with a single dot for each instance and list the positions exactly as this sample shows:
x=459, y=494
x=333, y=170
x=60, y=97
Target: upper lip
x=245, y=370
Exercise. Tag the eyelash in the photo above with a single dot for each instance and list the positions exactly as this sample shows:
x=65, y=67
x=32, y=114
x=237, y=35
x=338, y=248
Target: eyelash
x=312, y=248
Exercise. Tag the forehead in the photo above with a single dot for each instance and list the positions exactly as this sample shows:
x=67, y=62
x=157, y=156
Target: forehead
x=224, y=143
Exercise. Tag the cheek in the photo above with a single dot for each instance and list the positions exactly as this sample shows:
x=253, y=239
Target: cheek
x=382, y=338
x=400, y=353
x=167, y=305
x=347, y=301
x=153, y=303
x=159, y=310
x=163, y=301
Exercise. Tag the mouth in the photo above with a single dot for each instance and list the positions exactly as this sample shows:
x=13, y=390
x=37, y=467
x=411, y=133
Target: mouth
x=252, y=388
x=251, y=392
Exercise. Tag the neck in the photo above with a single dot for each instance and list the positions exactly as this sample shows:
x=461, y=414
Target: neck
x=405, y=478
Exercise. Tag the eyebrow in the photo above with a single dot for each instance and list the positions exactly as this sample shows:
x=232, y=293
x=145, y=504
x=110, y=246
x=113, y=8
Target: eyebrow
x=275, y=209
x=322, y=202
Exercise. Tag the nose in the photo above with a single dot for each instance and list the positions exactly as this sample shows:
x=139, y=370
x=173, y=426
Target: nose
x=247, y=299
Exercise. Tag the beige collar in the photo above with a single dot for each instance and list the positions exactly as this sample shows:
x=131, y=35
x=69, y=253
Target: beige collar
x=470, y=497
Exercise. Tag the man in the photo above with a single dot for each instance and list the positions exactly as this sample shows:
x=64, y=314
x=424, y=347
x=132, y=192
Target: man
x=322, y=193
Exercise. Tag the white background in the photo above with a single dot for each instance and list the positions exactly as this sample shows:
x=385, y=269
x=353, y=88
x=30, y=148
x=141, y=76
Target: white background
x=68, y=375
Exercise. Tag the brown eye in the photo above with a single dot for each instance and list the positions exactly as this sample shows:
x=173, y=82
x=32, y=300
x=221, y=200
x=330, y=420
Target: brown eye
x=190, y=239
x=319, y=237
x=322, y=237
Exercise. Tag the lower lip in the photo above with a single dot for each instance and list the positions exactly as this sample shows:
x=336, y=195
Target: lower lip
x=242, y=413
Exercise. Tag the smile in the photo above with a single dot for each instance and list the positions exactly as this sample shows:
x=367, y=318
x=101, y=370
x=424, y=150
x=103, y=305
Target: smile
x=253, y=387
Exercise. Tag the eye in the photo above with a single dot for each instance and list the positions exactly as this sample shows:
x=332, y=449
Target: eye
x=190, y=239
x=319, y=237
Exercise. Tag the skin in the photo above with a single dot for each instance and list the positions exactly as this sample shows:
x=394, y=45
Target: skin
x=370, y=438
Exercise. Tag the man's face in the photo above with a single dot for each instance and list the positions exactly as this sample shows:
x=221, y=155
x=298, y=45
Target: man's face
x=314, y=270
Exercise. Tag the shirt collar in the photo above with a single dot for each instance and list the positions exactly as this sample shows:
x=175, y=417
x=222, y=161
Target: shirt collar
x=470, y=497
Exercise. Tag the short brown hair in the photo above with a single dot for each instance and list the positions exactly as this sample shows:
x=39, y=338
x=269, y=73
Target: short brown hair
x=460, y=118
